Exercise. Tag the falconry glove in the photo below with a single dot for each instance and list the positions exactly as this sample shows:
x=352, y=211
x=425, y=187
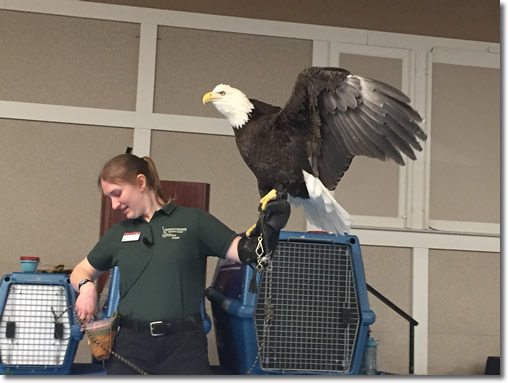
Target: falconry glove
x=258, y=247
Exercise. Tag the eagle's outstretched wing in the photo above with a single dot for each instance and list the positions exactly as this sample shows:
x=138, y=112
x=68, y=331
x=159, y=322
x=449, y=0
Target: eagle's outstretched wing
x=349, y=115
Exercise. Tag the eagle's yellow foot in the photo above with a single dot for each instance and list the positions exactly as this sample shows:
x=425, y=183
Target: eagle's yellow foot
x=267, y=198
x=262, y=206
x=250, y=230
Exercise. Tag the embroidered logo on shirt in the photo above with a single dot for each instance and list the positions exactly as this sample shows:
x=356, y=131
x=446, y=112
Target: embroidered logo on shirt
x=173, y=232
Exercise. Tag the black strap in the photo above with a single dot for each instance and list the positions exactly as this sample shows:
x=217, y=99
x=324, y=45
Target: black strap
x=253, y=282
x=137, y=278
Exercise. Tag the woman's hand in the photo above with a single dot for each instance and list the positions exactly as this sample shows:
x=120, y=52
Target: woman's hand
x=86, y=303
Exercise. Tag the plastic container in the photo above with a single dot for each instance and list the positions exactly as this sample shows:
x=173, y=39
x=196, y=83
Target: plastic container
x=98, y=325
x=234, y=309
x=30, y=301
x=370, y=356
x=29, y=264
x=101, y=336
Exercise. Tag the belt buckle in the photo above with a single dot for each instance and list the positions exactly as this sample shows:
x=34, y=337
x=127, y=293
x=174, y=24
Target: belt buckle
x=152, y=324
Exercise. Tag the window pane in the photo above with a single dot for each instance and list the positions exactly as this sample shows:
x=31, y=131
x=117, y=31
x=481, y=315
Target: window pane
x=465, y=147
x=371, y=187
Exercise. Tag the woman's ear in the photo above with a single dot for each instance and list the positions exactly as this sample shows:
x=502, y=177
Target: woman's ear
x=141, y=181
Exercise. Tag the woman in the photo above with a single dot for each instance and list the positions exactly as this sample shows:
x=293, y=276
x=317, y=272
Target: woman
x=161, y=252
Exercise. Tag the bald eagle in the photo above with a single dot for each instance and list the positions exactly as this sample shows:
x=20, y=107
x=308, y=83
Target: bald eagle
x=305, y=147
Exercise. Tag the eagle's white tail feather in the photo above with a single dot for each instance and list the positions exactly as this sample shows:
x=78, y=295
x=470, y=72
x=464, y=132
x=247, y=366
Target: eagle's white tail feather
x=321, y=208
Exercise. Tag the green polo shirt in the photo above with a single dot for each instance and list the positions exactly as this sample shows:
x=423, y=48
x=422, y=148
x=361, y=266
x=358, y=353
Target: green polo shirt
x=163, y=276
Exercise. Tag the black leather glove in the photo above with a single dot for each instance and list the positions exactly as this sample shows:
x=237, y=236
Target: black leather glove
x=270, y=222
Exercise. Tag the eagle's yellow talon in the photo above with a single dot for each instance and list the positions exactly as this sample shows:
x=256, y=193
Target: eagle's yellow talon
x=267, y=198
x=250, y=230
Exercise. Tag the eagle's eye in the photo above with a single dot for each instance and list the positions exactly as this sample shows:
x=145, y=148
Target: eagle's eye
x=222, y=93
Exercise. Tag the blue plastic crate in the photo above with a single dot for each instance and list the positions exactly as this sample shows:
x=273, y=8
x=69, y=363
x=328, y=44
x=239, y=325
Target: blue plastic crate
x=38, y=332
x=320, y=312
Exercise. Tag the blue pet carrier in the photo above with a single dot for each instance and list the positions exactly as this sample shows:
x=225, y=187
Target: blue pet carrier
x=38, y=332
x=310, y=314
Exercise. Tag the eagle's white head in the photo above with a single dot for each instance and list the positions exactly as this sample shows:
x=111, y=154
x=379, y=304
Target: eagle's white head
x=231, y=102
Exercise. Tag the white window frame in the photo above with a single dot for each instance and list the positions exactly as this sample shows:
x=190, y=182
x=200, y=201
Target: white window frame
x=465, y=57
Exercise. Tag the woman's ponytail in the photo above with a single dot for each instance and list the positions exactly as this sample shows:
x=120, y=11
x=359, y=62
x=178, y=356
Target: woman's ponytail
x=156, y=183
x=126, y=167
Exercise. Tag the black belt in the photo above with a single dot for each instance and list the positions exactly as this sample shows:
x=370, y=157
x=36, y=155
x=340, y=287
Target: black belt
x=159, y=328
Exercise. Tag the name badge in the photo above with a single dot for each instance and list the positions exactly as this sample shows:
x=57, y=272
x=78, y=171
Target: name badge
x=131, y=237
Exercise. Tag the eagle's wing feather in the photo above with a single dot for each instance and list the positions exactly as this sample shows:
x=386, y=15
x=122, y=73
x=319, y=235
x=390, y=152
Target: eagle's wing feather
x=347, y=116
x=303, y=105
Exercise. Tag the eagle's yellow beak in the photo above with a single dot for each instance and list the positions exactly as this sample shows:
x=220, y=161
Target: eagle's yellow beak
x=209, y=97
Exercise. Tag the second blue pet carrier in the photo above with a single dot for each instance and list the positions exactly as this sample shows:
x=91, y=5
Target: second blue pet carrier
x=310, y=314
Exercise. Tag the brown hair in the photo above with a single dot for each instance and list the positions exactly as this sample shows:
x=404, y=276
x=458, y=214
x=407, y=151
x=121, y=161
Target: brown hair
x=126, y=167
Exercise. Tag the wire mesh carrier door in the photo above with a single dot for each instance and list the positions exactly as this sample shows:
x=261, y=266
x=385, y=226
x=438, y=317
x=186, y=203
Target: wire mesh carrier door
x=38, y=334
x=312, y=306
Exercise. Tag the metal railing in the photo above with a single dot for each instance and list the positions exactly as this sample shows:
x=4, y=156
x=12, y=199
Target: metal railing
x=403, y=314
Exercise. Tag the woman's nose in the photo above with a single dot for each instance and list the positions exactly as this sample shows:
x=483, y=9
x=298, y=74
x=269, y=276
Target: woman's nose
x=114, y=203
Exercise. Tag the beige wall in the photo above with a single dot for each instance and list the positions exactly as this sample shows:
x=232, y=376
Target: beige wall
x=464, y=312
x=68, y=60
x=188, y=66
x=93, y=63
x=465, y=142
x=388, y=270
x=458, y=19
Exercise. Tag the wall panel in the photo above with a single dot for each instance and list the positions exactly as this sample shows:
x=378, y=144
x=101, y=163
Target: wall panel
x=192, y=62
x=68, y=61
x=469, y=20
x=464, y=311
x=389, y=270
x=51, y=202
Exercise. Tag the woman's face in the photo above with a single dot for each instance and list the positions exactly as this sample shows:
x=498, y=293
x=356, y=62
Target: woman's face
x=125, y=197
